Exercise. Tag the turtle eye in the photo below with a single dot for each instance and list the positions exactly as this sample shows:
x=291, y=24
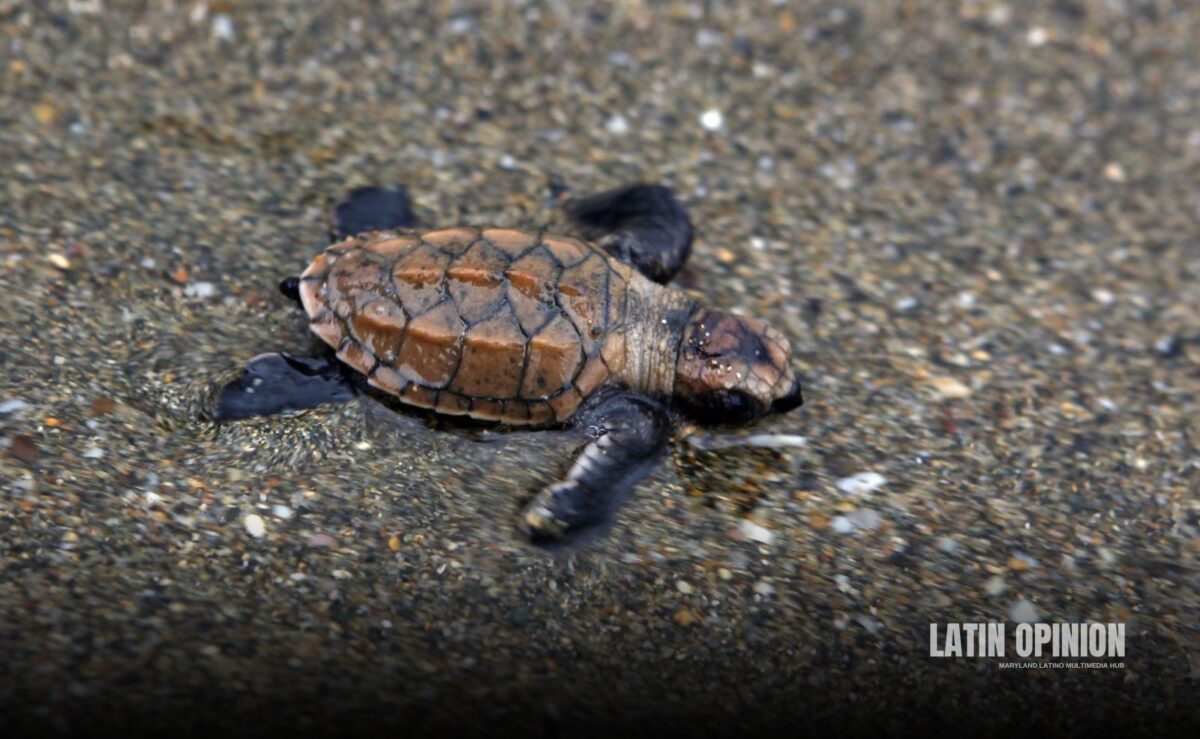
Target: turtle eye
x=736, y=403
x=733, y=406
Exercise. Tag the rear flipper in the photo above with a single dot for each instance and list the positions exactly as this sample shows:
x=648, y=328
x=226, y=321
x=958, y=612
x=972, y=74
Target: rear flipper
x=642, y=225
x=275, y=383
x=629, y=437
x=364, y=209
x=372, y=209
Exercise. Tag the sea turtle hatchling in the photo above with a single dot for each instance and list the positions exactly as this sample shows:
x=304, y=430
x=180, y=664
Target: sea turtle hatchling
x=528, y=329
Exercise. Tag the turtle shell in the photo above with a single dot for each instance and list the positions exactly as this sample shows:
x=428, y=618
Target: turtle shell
x=497, y=324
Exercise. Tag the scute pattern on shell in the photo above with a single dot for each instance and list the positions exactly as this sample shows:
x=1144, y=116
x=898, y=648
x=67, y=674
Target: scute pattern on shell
x=498, y=324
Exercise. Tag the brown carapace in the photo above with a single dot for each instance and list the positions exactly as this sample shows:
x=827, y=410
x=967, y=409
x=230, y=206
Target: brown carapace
x=528, y=328
x=496, y=324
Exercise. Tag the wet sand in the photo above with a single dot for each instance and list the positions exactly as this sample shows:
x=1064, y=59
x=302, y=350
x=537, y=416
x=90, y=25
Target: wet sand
x=977, y=226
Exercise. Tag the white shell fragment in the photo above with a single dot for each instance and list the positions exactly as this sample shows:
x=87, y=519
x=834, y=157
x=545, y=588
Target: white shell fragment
x=863, y=483
x=255, y=525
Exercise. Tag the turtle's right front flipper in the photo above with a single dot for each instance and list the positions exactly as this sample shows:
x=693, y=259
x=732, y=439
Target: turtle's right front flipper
x=642, y=225
x=629, y=434
x=275, y=383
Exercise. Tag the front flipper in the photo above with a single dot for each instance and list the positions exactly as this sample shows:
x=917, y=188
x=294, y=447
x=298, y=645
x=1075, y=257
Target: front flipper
x=642, y=225
x=275, y=383
x=629, y=434
x=372, y=209
x=290, y=287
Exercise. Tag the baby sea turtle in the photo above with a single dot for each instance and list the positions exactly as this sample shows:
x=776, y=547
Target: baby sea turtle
x=529, y=329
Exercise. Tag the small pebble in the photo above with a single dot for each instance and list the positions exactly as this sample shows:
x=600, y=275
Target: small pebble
x=1021, y=562
x=776, y=441
x=461, y=25
x=324, y=541
x=841, y=524
x=872, y=626
x=995, y=585
x=685, y=617
x=619, y=59
x=947, y=545
x=282, y=511
x=683, y=586
x=255, y=525
x=1024, y=612
x=45, y=113
x=865, y=519
x=949, y=388
x=222, y=27
x=712, y=120
x=841, y=172
x=863, y=483
x=200, y=290
x=1168, y=347
x=12, y=406
x=23, y=448
x=617, y=125
x=754, y=532
x=999, y=14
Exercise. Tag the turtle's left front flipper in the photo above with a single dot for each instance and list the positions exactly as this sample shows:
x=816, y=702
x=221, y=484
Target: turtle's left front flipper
x=629, y=434
x=372, y=209
x=275, y=383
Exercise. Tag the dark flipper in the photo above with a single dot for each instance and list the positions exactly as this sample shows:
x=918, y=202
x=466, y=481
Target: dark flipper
x=365, y=209
x=629, y=435
x=372, y=209
x=643, y=225
x=274, y=383
x=290, y=287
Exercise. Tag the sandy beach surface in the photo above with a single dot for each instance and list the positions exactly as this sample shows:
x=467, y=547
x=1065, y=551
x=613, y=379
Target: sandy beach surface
x=976, y=222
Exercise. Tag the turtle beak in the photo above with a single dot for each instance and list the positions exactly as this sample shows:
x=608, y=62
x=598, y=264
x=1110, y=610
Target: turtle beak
x=790, y=401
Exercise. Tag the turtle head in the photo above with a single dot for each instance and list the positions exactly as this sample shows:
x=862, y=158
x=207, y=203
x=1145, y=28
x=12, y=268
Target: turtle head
x=733, y=369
